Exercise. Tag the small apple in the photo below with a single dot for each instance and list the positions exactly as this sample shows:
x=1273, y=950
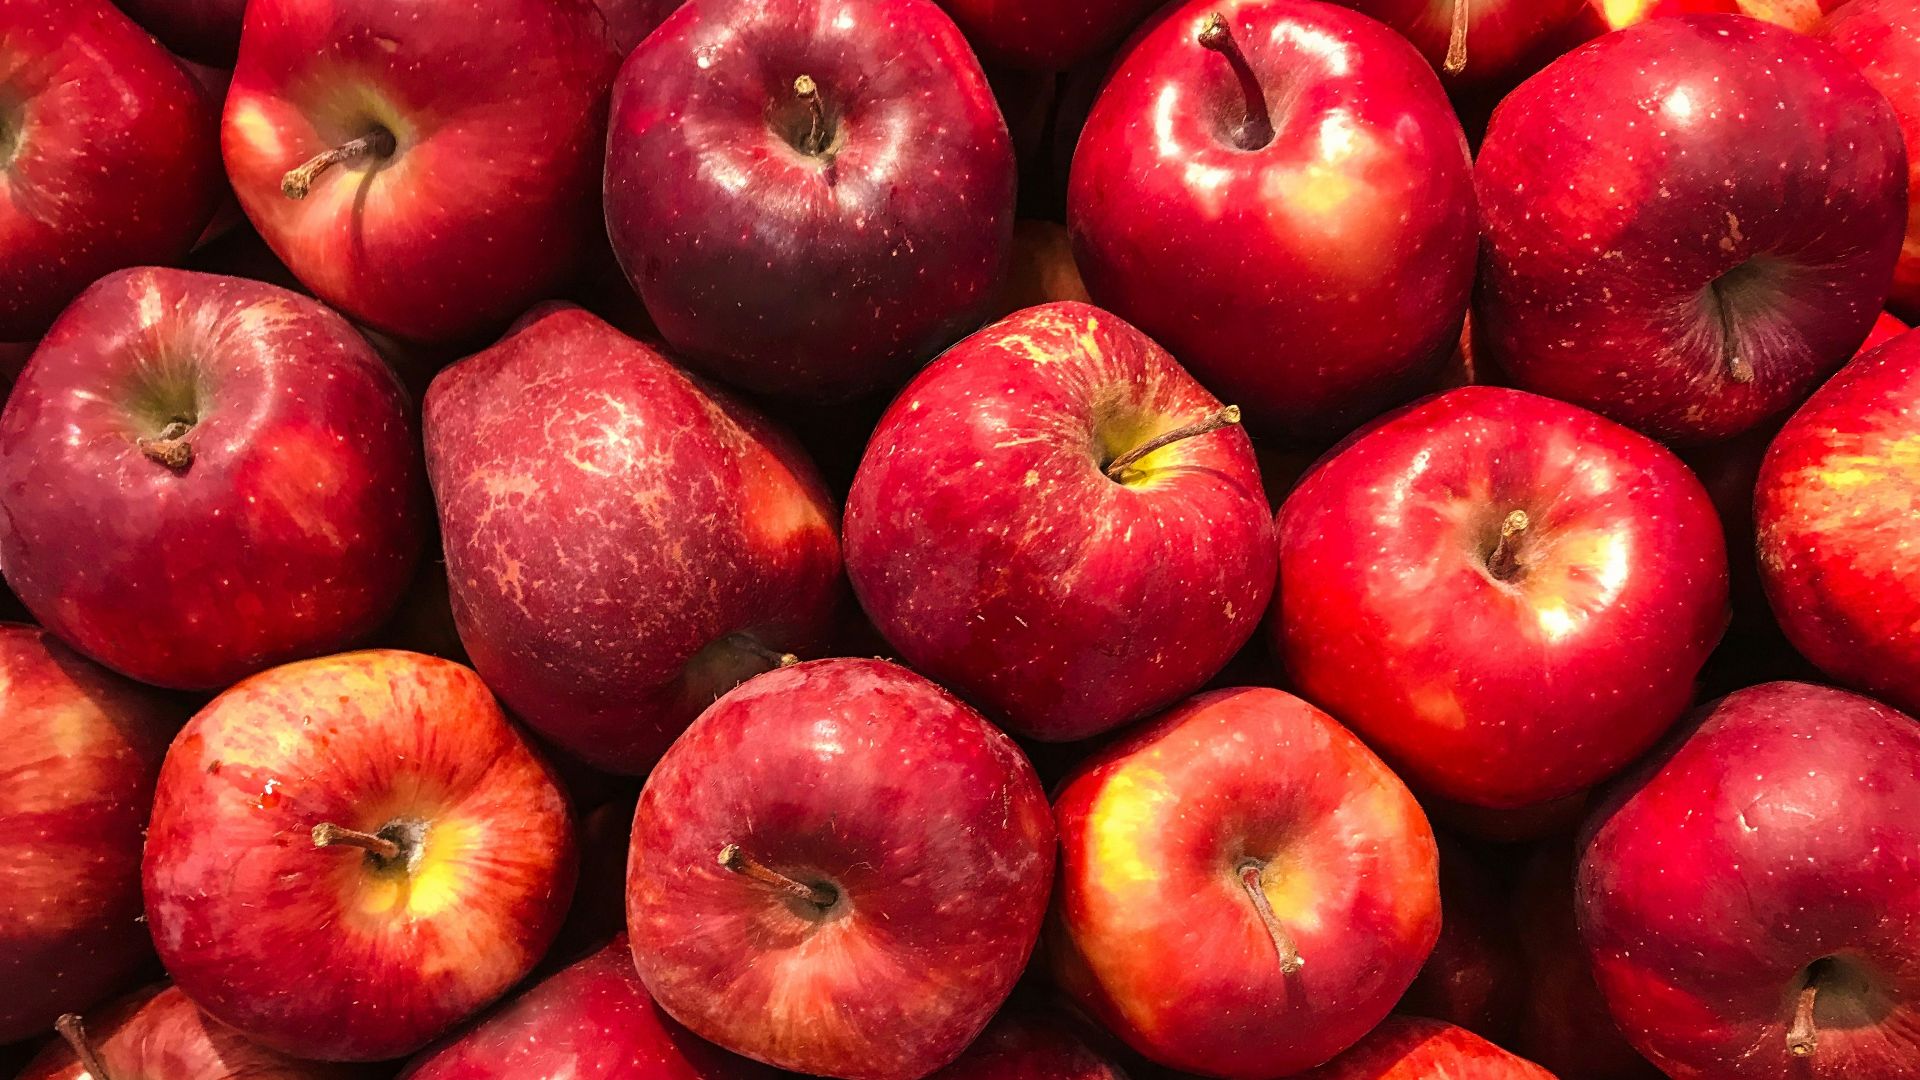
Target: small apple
x=840, y=870
x=812, y=198
x=1061, y=524
x=623, y=544
x=1506, y=595
x=79, y=750
x=157, y=1034
x=201, y=477
x=348, y=856
x=1689, y=224
x=109, y=155
x=1027, y=1042
x=1749, y=895
x=1882, y=37
x=1410, y=1048
x=1047, y=37
x=1245, y=890
x=415, y=173
x=1473, y=978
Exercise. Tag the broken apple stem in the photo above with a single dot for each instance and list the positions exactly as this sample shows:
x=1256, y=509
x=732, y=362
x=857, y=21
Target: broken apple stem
x=1504, y=562
x=298, y=182
x=737, y=861
x=327, y=834
x=1283, y=946
x=1802, y=1037
x=1226, y=417
x=75, y=1033
x=1217, y=36
x=170, y=447
x=1456, y=61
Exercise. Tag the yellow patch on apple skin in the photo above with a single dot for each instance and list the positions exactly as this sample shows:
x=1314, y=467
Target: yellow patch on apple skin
x=1294, y=891
x=1124, y=819
x=301, y=471
x=1848, y=490
x=433, y=887
x=252, y=126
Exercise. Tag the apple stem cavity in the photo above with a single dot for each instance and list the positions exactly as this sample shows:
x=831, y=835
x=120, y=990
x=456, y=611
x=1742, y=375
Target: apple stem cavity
x=75, y=1034
x=298, y=182
x=170, y=447
x=1255, y=129
x=1226, y=417
x=1283, y=946
x=1456, y=61
x=1504, y=562
x=1803, y=1037
x=737, y=861
x=327, y=834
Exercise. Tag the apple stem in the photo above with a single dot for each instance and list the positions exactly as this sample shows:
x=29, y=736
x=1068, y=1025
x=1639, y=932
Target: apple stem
x=170, y=447
x=817, y=136
x=735, y=860
x=1802, y=1037
x=753, y=648
x=1283, y=946
x=1226, y=417
x=1456, y=61
x=327, y=834
x=75, y=1033
x=1257, y=131
x=1504, y=562
x=298, y=182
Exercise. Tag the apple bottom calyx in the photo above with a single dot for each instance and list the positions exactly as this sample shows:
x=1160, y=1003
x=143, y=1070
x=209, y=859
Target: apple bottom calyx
x=170, y=447
x=1503, y=562
x=821, y=896
x=75, y=1034
x=298, y=182
x=1226, y=417
x=1284, y=949
x=397, y=844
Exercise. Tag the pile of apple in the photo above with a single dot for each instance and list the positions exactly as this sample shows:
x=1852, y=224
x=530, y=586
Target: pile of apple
x=628, y=540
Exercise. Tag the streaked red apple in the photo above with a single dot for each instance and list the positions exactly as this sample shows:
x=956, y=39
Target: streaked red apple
x=157, y=1034
x=1410, y=1048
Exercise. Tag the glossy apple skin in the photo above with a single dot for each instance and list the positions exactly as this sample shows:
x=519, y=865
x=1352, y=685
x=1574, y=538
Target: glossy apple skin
x=1622, y=184
x=990, y=547
x=1046, y=37
x=490, y=201
x=1153, y=931
x=388, y=957
x=1320, y=277
x=592, y=1020
x=292, y=532
x=1026, y=1042
x=1782, y=829
x=204, y=30
x=1833, y=507
x=80, y=748
x=111, y=156
x=863, y=776
x=1501, y=34
x=1883, y=38
x=1411, y=1048
x=623, y=544
x=813, y=275
x=157, y=1034
x=1500, y=693
x=1472, y=979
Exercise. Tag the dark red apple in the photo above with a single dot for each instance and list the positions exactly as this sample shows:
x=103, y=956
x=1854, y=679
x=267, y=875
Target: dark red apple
x=1475, y=41
x=1279, y=193
x=201, y=477
x=1051, y=36
x=1409, y=1048
x=592, y=1020
x=811, y=197
x=157, y=1034
x=1058, y=522
x=623, y=545
x=840, y=870
x=1027, y=1042
x=630, y=21
x=1751, y=897
x=1245, y=890
x=109, y=155
x=1883, y=38
x=409, y=166
x=348, y=856
x=1689, y=224
x=204, y=30
x=1473, y=977
x=1508, y=596
x=79, y=750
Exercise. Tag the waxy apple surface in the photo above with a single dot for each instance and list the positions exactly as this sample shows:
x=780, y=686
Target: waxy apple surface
x=623, y=544
x=1689, y=224
x=839, y=869
x=157, y=1034
x=1245, y=890
x=203, y=476
x=348, y=856
x=1883, y=38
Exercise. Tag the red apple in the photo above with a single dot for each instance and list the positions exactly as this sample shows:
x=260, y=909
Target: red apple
x=1279, y=193
x=108, y=155
x=1023, y=530
x=203, y=30
x=1689, y=224
x=811, y=197
x=1506, y=595
x=1751, y=897
x=1802, y=15
x=416, y=172
x=840, y=870
x=591, y=1021
x=79, y=750
x=1475, y=41
x=1049, y=37
x=623, y=545
x=201, y=477
x=1883, y=38
x=349, y=886
x=1030, y=1043
x=1245, y=890
x=1409, y=1048
x=1834, y=509
x=1473, y=978
x=157, y=1034
x=1885, y=329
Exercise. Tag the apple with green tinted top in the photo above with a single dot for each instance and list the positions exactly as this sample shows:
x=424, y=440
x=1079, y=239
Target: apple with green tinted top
x=1245, y=889
x=158, y=1034
x=80, y=748
x=624, y=543
x=412, y=171
x=840, y=869
x=349, y=885
x=1409, y=1048
x=203, y=476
